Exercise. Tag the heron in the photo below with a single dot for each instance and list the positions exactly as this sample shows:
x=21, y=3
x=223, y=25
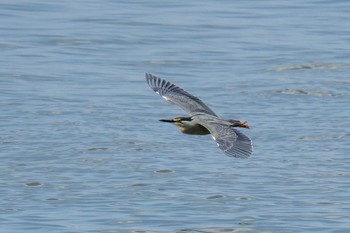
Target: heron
x=202, y=120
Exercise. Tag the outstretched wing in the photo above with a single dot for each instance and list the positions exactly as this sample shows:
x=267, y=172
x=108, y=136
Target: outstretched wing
x=231, y=141
x=191, y=104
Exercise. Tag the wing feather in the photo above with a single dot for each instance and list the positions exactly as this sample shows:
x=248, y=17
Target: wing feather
x=189, y=103
x=231, y=141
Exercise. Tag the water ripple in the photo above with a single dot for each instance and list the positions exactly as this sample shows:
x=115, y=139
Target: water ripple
x=319, y=93
x=334, y=66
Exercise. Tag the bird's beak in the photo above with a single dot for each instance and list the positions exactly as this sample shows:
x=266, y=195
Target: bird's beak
x=244, y=125
x=169, y=121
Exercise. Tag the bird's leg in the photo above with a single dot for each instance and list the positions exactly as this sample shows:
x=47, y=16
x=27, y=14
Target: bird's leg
x=244, y=124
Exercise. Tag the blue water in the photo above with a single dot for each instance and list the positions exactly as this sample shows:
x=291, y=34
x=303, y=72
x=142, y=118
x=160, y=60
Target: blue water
x=81, y=147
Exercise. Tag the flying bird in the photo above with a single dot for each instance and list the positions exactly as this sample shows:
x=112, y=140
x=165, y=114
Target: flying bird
x=202, y=120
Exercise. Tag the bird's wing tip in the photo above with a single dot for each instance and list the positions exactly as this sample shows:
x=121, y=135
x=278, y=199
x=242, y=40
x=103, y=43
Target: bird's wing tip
x=241, y=155
x=148, y=75
x=238, y=145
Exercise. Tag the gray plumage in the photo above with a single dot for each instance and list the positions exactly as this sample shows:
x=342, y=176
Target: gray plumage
x=203, y=120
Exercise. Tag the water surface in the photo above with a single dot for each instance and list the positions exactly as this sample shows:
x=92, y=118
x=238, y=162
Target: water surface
x=82, y=149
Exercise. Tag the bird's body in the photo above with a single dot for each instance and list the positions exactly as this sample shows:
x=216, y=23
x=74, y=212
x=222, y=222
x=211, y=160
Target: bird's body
x=202, y=119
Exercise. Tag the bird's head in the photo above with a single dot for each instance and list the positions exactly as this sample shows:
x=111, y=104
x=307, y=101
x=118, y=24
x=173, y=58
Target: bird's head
x=187, y=125
x=179, y=121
